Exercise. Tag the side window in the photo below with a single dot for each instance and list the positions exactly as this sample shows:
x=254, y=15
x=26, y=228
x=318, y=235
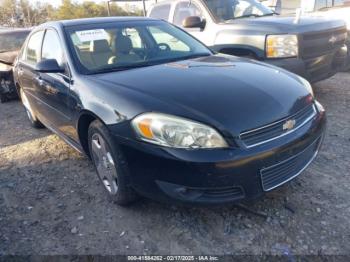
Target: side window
x=162, y=37
x=184, y=10
x=32, y=53
x=161, y=12
x=51, y=47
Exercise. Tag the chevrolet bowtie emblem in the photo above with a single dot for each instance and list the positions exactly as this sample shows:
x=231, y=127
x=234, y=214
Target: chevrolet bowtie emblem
x=289, y=125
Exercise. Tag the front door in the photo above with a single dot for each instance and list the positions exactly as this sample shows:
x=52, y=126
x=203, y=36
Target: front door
x=185, y=9
x=54, y=88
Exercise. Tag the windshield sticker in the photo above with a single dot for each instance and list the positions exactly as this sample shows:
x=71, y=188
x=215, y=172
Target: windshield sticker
x=92, y=35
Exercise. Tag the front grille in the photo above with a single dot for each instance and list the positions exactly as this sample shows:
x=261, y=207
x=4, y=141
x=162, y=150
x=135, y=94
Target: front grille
x=276, y=175
x=322, y=43
x=275, y=130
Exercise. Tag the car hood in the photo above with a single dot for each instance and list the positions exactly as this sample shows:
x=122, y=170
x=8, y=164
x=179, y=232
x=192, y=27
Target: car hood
x=8, y=57
x=339, y=13
x=234, y=94
x=287, y=24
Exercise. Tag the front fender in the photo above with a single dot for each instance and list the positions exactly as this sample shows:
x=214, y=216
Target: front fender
x=228, y=40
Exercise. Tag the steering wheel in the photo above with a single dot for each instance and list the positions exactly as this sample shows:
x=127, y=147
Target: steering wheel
x=163, y=47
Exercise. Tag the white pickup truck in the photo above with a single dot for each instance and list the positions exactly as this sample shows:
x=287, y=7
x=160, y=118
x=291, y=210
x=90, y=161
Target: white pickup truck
x=310, y=46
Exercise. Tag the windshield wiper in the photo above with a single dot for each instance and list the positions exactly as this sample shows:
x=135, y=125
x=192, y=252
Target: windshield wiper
x=109, y=69
x=250, y=15
x=191, y=56
x=269, y=14
x=242, y=16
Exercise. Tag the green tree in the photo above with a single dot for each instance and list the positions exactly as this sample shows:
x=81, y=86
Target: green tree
x=29, y=13
x=8, y=12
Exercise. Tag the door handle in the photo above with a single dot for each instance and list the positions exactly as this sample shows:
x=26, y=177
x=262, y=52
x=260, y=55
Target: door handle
x=39, y=80
x=20, y=71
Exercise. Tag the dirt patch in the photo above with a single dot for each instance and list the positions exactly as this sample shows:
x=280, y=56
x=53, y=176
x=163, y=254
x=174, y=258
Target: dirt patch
x=51, y=201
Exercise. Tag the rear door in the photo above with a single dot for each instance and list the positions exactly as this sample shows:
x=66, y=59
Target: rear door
x=54, y=88
x=26, y=74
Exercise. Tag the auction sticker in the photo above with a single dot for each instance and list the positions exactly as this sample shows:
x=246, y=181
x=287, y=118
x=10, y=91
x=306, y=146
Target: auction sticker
x=92, y=35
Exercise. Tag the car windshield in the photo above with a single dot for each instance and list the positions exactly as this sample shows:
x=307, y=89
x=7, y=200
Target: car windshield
x=318, y=5
x=226, y=10
x=125, y=45
x=12, y=41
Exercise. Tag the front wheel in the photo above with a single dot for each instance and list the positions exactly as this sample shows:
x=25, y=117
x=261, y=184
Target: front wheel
x=110, y=165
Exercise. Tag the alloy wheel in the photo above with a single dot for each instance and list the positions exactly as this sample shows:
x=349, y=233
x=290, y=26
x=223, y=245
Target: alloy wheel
x=104, y=163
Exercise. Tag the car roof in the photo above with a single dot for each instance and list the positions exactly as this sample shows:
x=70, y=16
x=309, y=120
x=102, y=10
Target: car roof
x=98, y=20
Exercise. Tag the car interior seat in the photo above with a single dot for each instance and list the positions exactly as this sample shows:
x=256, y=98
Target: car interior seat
x=100, y=52
x=123, y=51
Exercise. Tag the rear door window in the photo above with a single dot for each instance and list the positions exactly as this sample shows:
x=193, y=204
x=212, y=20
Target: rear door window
x=161, y=12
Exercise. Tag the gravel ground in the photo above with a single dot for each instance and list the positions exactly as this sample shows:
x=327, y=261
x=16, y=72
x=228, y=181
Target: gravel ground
x=51, y=201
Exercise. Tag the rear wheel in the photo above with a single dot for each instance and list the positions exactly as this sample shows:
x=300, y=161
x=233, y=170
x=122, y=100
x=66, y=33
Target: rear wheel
x=31, y=115
x=110, y=165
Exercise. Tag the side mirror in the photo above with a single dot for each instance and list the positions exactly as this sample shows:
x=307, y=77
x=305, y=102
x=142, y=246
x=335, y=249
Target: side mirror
x=49, y=66
x=193, y=22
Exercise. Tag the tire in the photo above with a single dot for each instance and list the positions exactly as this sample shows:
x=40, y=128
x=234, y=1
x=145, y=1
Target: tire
x=31, y=115
x=110, y=164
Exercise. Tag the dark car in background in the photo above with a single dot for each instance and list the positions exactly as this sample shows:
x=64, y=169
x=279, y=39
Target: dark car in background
x=312, y=47
x=162, y=116
x=11, y=41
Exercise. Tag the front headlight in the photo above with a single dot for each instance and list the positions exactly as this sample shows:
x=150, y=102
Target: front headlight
x=172, y=131
x=281, y=46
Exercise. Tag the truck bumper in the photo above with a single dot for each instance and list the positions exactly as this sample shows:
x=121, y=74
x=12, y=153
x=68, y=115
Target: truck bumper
x=317, y=68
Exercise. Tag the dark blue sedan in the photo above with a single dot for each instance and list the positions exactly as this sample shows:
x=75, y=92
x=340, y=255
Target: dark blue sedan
x=162, y=116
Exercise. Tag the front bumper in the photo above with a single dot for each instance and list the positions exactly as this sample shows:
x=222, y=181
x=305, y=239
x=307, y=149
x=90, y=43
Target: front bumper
x=317, y=68
x=221, y=175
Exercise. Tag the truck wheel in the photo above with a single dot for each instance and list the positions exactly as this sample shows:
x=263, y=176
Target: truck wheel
x=110, y=165
x=31, y=115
